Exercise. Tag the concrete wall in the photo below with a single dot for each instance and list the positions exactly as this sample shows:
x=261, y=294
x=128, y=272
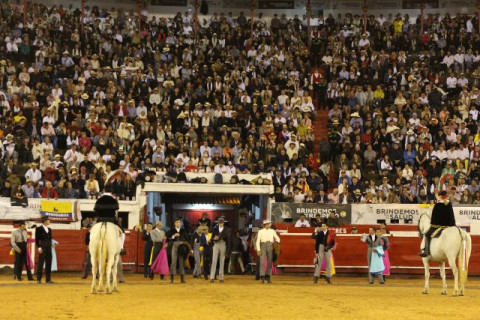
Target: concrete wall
x=328, y=6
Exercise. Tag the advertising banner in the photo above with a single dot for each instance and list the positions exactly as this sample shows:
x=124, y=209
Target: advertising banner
x=290, y=212
x=58, y=210
x=390, y=213
x=465, y=214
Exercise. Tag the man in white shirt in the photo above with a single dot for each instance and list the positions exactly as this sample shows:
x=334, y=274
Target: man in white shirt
x=364, y=42
x=414, y=120
x=282, y=99
x=440, y=154
x=71, y=153
x=448, y=60
x=141, y=108
x=33, y=173
x=231, y=169
x=302, y=222
x=264, y=246
x=155, y=97
x=462, y=81
x=459, y=59
x=221, y=168
x=474, y=112
x=451, y=82
x=469, y=26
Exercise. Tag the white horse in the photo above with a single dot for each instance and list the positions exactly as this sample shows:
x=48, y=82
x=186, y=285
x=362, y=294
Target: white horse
x=105, y=246
x=454, y=243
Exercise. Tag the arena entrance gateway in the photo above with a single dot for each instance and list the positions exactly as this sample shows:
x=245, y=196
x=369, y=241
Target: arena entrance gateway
x=242, y=205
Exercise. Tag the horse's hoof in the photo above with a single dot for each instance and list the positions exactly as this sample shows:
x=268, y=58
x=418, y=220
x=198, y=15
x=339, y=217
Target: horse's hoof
x=461, y=294
x=93, y=292
x=425, y=292
x=444, y=293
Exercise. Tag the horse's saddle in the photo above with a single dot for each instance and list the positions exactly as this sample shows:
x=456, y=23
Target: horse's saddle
x=438, y=231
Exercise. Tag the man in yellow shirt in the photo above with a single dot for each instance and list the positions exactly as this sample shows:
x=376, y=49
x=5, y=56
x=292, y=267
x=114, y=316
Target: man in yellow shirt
x=398, y=25
x=379, y=94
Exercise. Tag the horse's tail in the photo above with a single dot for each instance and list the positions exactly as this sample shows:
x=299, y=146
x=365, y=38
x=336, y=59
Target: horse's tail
x=103, y=250
x=464, y=257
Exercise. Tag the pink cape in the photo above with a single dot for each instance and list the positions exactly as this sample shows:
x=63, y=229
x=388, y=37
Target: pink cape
x=30, y=264
x=160, y=265
x=386, y=261
x=274, y=269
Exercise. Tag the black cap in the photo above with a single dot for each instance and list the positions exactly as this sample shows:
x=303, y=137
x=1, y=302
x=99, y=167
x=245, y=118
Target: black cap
x=443, y=193
x=19, y=222
x=45, y=218
x=106, y=206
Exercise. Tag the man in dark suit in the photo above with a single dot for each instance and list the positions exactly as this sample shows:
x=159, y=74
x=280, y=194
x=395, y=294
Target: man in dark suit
x=204, y=220
x=176, y=236
x=323, y=249
x=87, y=267
x=43, y=241
x=372, y=241
x=220, y=237
x=278, y=178
x=147, y=249
x=206, y=244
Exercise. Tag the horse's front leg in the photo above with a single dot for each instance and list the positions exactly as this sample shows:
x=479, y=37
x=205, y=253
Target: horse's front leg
x=453, y=265
x=427, y=275
x=444, y=278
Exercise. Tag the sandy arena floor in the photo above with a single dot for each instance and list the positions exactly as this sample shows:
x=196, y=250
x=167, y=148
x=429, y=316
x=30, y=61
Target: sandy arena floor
x=240, y=297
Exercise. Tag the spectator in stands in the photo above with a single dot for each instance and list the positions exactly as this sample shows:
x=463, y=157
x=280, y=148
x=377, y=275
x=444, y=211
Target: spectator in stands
x=302, y=222
x=396, y=99
x=49, y=192
x=28, y=188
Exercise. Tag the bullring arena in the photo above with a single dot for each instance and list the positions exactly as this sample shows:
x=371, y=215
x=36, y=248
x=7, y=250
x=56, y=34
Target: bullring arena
x=289, y=297
x=256, y=159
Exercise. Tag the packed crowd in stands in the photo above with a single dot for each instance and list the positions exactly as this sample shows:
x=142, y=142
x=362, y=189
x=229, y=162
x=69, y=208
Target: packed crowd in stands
x=82, y=113
x=79, y=109
x=403, y=109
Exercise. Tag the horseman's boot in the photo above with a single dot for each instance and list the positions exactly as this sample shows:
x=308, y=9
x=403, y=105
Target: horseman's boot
x=263, y=279
x=426, y=251
x=315, y=280
x=171, y=278
x=182, y=280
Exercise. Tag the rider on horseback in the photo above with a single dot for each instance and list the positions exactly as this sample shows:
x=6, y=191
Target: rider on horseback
x=442, y=216
x=106, y=208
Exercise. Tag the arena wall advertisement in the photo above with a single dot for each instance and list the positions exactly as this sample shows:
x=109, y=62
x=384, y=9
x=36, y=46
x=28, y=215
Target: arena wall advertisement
x=408, y=214
x=465, y=214
x=290, y=212
x=58, y=210
x=389, y=213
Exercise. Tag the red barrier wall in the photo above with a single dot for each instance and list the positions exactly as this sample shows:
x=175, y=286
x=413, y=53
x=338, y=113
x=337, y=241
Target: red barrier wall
x=351, y=254
x=297, y=250
x=72, y=249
